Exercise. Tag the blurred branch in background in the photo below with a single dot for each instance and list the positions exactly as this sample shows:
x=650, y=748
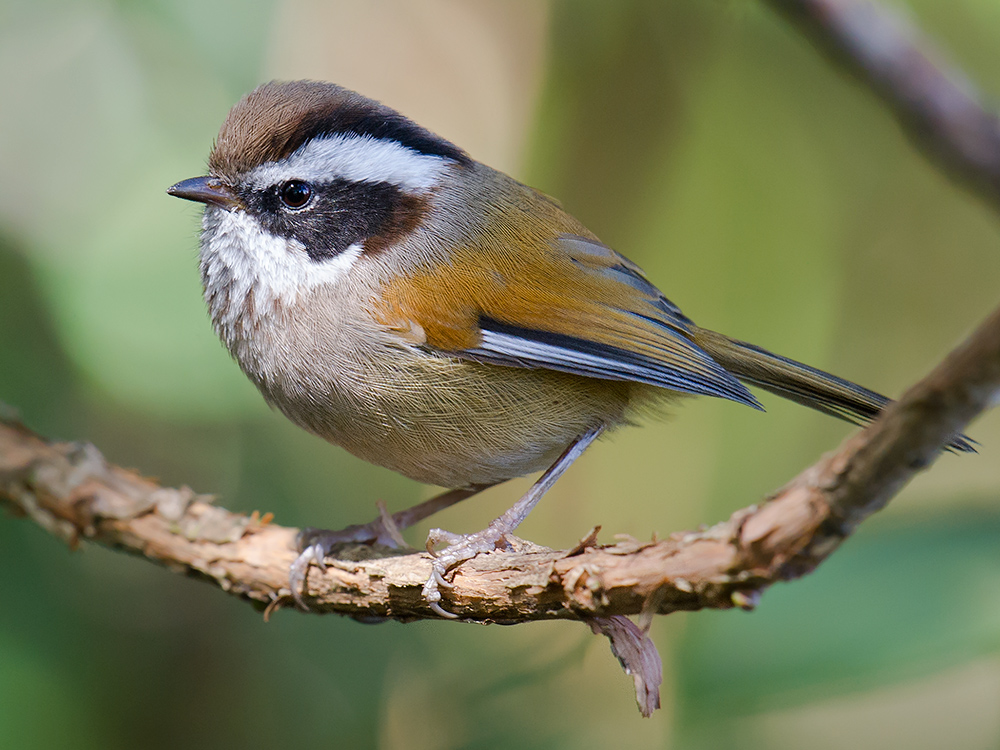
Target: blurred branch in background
x=938, y=107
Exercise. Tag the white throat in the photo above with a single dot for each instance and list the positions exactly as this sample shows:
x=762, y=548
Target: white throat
x=247, y=273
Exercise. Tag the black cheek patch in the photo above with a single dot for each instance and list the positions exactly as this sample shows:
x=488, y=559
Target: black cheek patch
x=341, y=213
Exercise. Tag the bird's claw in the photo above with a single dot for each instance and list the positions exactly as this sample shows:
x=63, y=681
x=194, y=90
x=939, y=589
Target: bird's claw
x=312, y=554
x=461, y=548
x=316, y=544
x=438, y=576
x=432, y=593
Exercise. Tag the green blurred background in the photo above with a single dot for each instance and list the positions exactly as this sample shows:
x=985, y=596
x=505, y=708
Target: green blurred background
x=768, y=195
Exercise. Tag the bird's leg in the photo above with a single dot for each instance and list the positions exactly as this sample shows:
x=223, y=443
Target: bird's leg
x=315, y=544
x=462, y=547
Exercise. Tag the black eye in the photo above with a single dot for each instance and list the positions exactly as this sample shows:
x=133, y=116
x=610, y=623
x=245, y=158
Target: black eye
x=295, y=193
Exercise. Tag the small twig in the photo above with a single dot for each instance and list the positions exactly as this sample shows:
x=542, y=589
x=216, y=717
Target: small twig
x=391, y=529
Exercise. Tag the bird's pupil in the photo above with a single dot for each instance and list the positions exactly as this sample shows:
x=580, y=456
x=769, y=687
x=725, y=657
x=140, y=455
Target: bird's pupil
x=295, y=194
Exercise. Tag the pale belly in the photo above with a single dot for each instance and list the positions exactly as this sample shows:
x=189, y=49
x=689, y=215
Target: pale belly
x=454, y=423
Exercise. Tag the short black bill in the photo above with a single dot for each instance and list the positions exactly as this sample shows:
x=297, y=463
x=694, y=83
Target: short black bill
x=206, y=190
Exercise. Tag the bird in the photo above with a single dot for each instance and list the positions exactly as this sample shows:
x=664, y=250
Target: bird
x=392, y=295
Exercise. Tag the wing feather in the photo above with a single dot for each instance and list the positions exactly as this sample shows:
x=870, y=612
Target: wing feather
x=585, y=310
x=509, y=345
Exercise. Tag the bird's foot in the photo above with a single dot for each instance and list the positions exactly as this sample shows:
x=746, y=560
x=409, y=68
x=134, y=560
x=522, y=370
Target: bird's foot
x=316, y=544
x=461, y=548
x=497, y=535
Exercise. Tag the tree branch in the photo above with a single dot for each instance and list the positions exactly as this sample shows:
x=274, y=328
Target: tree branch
x=936, y=105
x=68, y=489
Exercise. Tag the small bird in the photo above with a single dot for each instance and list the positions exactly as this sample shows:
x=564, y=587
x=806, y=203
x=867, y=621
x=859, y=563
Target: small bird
x=392, y=295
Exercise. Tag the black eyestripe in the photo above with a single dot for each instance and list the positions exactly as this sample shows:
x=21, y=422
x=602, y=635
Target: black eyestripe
x=340, y=213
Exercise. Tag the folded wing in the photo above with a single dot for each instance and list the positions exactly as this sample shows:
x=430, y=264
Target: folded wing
x=584, y=310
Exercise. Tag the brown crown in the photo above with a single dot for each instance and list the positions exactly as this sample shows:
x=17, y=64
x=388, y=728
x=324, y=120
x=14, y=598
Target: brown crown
x=275, y=119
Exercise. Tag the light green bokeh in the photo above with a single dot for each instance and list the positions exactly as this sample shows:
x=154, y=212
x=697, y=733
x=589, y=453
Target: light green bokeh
x=767, y=194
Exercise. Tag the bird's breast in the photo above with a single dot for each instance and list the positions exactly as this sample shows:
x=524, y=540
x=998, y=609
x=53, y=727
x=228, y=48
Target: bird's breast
x=437, y=419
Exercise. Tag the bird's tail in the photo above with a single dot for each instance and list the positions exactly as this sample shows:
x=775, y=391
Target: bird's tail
x=800, y=383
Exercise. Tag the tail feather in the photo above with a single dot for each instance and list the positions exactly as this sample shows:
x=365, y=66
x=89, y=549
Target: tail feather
x=801, y=383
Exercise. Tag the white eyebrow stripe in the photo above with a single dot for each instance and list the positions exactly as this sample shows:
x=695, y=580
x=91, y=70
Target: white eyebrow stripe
x=358, y=158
